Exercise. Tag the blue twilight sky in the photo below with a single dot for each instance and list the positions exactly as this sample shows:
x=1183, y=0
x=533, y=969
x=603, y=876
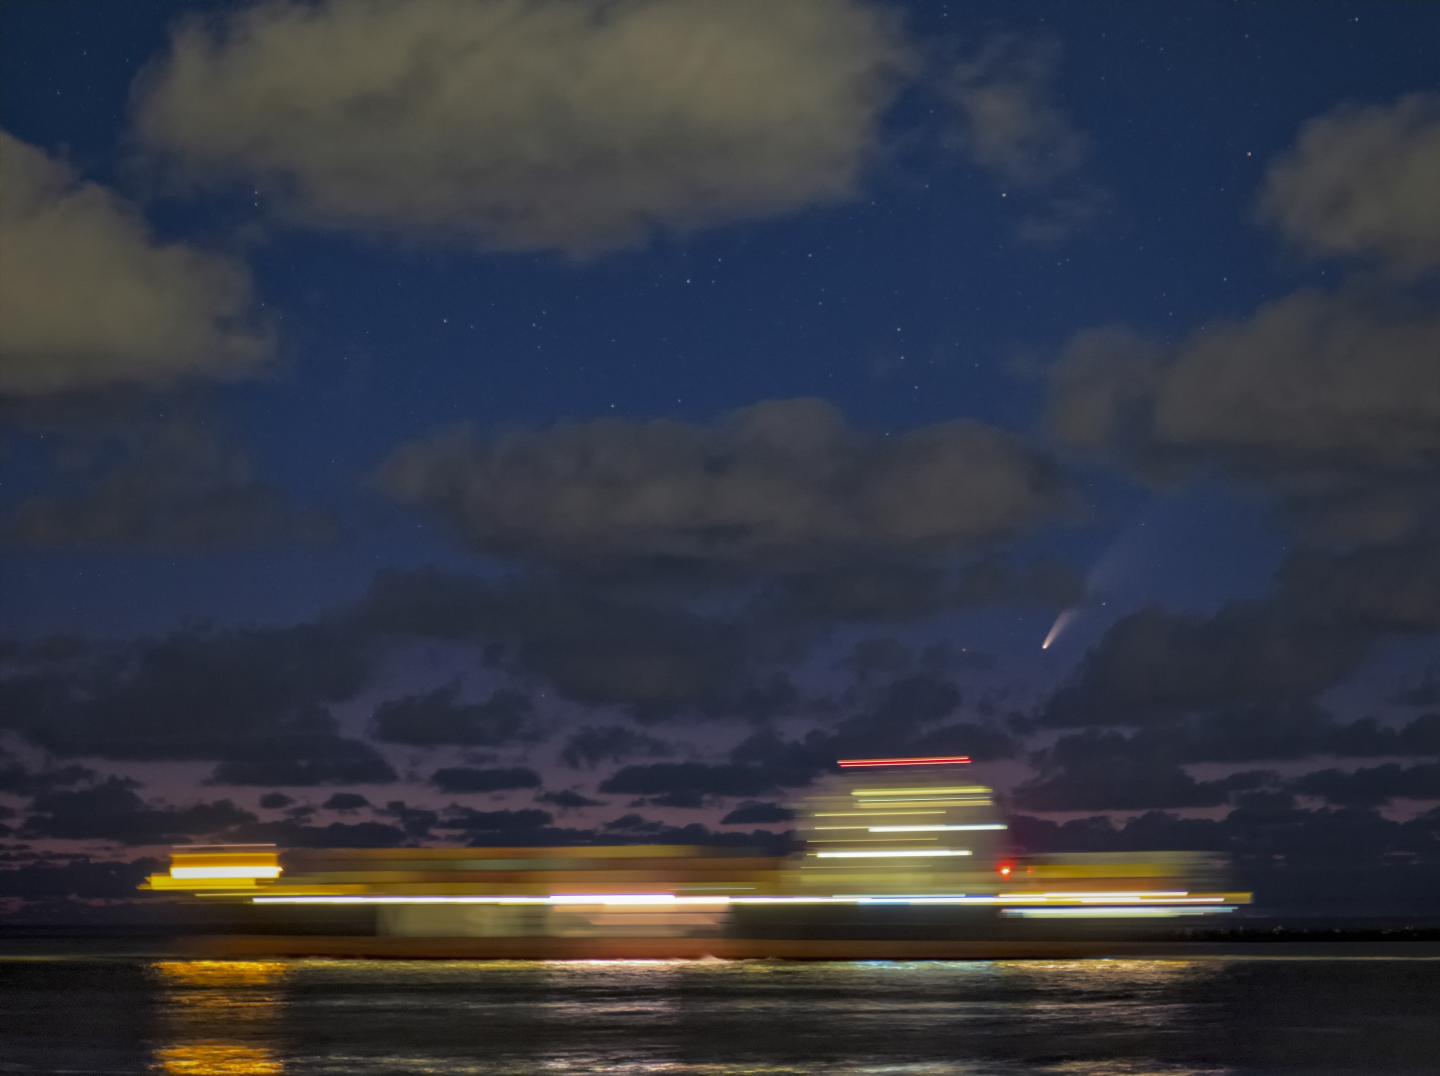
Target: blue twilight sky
x=266, y=259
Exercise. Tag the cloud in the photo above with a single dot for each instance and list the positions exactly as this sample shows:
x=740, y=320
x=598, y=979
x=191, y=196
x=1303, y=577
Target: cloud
x=567, y=800
x=94, y=300
x=1310, y=385
x=1011, y=123
x=1370, y=785
x=591, y=745
x=1360, y=182
x=1268, y=658
x=778, y=480
x=705, y=778
x=173, y=485
x=307, y=758
x=529, y=124
x=345, y=801
x=113, y=811
x=757, y=814
x=197, y=694
x=595, y=646
x=480, y=824
x=417, y=822
x=1155, y=665
x=295, y=834
x=440, y=717
x=470, y=779
x=78, y=878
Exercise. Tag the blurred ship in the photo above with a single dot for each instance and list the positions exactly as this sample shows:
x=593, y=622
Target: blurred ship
x=901, y=858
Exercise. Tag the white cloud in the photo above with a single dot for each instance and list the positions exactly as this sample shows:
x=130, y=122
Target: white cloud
x=1364, y=181
x=1330, y=399
x=529, y=124
x=90, y=299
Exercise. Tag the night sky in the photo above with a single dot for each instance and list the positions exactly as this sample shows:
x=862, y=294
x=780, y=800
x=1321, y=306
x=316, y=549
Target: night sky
x=507, y=422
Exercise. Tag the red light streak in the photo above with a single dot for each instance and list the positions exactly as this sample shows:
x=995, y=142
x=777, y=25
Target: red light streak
x=863, y=763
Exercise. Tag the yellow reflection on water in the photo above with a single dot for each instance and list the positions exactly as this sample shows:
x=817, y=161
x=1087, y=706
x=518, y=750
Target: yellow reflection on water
x=217, y=1059
x=218, y=1017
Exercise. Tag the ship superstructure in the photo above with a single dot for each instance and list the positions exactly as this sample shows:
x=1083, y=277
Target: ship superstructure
x=891, y=847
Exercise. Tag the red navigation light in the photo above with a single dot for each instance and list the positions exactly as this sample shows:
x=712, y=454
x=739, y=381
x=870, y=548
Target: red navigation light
x=863, y=763
x=1005, y=870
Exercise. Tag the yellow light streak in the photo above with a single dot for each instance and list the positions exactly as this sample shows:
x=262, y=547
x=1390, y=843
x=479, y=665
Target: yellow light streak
x=956, y=790
x=895, y=853
x=936, y=829
x=885, y=805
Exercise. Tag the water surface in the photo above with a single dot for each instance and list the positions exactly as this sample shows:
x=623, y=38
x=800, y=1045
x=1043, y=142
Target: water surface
x=356, y=1018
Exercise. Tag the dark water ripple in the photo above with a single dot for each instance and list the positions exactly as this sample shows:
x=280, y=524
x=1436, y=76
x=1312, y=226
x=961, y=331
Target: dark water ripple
x=1080, y=1018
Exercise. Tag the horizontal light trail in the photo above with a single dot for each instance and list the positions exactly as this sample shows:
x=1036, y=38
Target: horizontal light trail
x=1012, y=904
x=884, y=806
x=956, y=790
x=1154, y=911
x=938, y=760
x=895, y=853
x=206, y=873
x=934, y=829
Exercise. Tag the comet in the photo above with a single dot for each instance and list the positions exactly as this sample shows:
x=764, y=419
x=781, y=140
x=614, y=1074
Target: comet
x=1061, y=623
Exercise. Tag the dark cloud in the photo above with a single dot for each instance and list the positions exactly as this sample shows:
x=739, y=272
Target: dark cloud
x=470, y=779
x=197, y=694
x=160, y=486
x=1425, y=692
x=757, y=814
x=567, y=800
x=294, y=833
x=878, y=590
x=442, y=717
x=22, y=781
x=782, y=480
x=1156, y=666
x=1260, y=733
x=688, y=799
x=591, y=745
x=479, y=824
x=1100, y=772
x=275, y=800
x=113, y=811
x=345, y=801
x=904, y=716
x=702, y=778
x=596, y=647
x=1371, y=785
x=318, y=758
x=78, y=878
x=1322, y=618
x=417, y=822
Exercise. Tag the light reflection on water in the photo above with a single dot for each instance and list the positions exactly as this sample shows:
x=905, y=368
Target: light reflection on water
x=667, y=1018
x=219, y=1017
